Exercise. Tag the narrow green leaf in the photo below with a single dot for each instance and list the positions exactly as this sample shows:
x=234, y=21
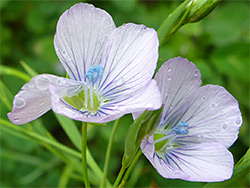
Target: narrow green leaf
x=44, y=140
x=22, y=157
x=4, y=70
x=65, y=176
x=71, y=130
x=6, y=96
x=31, y=72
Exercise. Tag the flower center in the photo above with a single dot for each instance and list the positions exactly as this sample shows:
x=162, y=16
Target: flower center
x=165, y=139
x=88, y=97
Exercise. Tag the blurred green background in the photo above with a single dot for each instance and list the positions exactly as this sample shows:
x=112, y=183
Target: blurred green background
x=218, y=45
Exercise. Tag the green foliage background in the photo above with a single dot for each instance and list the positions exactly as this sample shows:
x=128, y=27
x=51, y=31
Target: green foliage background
x=218, y=45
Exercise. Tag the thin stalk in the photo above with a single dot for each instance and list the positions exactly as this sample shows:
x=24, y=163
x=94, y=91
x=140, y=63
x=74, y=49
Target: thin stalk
x=119, y=177
x=84, y=160
x=130, y=169
x=105, y=170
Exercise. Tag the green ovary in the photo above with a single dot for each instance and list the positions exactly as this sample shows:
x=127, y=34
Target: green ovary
x=78, y=101
x=159, y=145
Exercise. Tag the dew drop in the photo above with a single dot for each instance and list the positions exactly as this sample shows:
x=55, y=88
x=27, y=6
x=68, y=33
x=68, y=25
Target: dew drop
x=42, y=82
x=16, y=119
x=149, y=105
x=64, y=52
x=19, y=102
x=224, y=126
x=40, y=111
x=196, y=72
x=177, y=172
x=169, y=79
x=213, y=105
x=98, y=44
x=203, y=98
x=120, y=82
x=166, y=97
x=169, y=69
x=31, y=85
x=60, y=82
x=238, y=121
x=29, y=118
x=42, y=103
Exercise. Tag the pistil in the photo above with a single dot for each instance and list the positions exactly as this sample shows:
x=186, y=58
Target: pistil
x=163, y=139
x=87, y=98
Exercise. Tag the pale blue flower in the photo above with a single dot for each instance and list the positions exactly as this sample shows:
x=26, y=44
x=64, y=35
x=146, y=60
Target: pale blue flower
x=197, y=125
x=110, y=71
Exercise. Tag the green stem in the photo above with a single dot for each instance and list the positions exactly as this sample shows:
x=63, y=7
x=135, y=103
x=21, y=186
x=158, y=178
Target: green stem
x=105, y=170
x=84, y=160
x=119, y=177
x=130, y=168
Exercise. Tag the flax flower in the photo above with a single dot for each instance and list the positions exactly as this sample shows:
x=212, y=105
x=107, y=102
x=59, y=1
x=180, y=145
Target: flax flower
x=110, y=71
x=197, y=125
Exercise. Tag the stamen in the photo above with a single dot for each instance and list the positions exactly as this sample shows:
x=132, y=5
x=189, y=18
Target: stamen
x=164, y=139
x=181, y=128
x=87, y=97
x=93, y=75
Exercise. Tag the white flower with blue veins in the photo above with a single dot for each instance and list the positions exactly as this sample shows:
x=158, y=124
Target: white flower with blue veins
x=197, y=126
x=110, y=71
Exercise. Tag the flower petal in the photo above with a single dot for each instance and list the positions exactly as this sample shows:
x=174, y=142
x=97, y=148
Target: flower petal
x=80, y=35
x=213, y=114
x=176, y=79
x=149, y=99
x=129, y=60
x=207, y=162
x=33, y=100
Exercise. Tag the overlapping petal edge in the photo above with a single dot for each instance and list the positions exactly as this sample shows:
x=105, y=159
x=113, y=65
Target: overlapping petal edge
x=85, y=37
x=198, y=152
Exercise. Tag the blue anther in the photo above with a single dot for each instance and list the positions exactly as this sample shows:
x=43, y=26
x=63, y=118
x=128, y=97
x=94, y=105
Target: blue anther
x=181, y=128
x=94, y=73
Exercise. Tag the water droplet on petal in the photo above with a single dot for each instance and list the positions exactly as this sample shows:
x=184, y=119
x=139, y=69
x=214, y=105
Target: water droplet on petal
x=64, y=52
x=169, y=79
x=16, y=119
x=42, y=82
x=196, y=72
x=213, y=105
x=41, y=103
x=169, y=69
x=177, y=172
x=238, y=121
x=98, y=44
x=31, y=85
x=29, y=118
x=224, y=126
x=60, y=82
x=203, y=98
x=19, y=102
x=149, y=105
x=119, y=82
